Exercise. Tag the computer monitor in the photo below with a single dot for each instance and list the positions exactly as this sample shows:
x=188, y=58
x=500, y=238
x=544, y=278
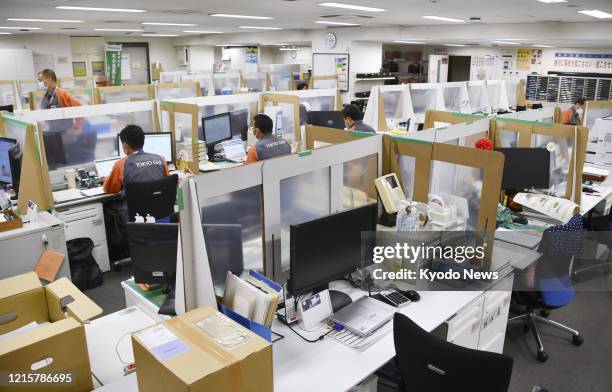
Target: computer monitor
x=105, y=166
x=6, y=146
x=15, y=156
x=54, y=149
x=330, y=119
x=239, y=123
x=159, y=143
x=526, y=168
x=216, y=129
x=153, y=249
x=6, y=108
x=328, y=248
x=224, y=250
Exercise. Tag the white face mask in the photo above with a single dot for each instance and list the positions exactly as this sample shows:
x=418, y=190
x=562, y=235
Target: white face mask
x=580, y=111
x=41, y=85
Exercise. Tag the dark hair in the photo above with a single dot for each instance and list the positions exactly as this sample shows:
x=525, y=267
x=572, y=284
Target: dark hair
x=48, y=73
x=352, y=112
x=302, y=86
x=579, y=101
x=263, y=123
x=133, y=136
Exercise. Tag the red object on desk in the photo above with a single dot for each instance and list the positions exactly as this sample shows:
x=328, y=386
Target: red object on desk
x=484, y=144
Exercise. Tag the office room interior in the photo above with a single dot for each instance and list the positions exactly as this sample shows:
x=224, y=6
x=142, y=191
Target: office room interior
x=301, y=195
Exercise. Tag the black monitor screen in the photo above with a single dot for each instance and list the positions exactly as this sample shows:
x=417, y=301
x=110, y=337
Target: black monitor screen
x=330, y=119
x=153, y=248
x=239, y=122
x=6, y=145
x=216, y=128
x=526, y=168
x=54, y=149
x=224, y=250
x=328, y=248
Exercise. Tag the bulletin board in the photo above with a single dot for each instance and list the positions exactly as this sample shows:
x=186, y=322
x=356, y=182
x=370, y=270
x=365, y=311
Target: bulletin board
x=324, y=64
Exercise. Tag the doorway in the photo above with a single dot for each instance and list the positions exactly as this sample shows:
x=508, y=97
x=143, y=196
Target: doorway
x=459, y=68
x=135, y=55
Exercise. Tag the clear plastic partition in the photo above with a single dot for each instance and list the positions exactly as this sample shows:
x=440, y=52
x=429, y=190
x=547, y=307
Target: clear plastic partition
x=205, y=80
x=280, y=80
x=171, y=76
x=512, y=92
x=221, y=217
x=470, y=140
x=84, y=96
x=508, y=139
x=15, y=130
x=459, y=186
x=176, y=92
x=494, y=90
x=423, y=100
x=479, y=99
x=226, y=83
x=77, y=82
x=393, y=104
x=7, y=93
x=325, y=83
x=358, y=181
x=25, y=88
x=124, y=96
x=283, y=116
x=562, y=150
x=456, y=98
x=593, y=114
x=319, y=103
x=255, y=81
x=303, y=197
x=407, y=170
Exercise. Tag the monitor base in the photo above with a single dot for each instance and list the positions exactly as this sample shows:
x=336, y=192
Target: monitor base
x=339, y=300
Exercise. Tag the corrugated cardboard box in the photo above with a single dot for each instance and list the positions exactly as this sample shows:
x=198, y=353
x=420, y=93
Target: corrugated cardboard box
x=202, y=350
x=59, y=347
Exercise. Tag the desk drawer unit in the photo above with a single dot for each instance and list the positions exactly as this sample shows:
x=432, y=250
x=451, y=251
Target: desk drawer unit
x=88, y=221
x=495, y=316
x=464, y=327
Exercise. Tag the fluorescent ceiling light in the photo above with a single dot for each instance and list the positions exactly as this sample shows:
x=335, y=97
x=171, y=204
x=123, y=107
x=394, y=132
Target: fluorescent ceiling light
x=126, y=30
x=543, y=46
x=201, y=32
x=443, y=18
x=241, y=16
x=454, y=45
x=505, y=42
x=45, y=20
x=596, y=14
x=159, y=35
x=268, y=44
x=225, y=45
x=4, y=33
x=407, y=42
x=328, y=22
x=353, y=7
x=167, y=24
x=552, y=1
x=19, y=28
x=260, y=27
x=65, y=7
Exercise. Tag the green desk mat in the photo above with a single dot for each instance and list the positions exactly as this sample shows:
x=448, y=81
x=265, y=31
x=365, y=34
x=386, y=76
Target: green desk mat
x=156, y=297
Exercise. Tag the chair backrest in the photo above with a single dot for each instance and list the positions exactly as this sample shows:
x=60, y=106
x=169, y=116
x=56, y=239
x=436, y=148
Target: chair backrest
x=428, y=363
x=151, y=197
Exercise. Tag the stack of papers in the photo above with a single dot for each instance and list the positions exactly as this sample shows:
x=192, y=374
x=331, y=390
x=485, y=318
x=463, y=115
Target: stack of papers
x=252, y=296
x=557, y=208
x=67, y=195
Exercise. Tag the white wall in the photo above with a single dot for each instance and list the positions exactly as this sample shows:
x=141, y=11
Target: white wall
x=56, y=46
x=365, y=57
x=201, y=58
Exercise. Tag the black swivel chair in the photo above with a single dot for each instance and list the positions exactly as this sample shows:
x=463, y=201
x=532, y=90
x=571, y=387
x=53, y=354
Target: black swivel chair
x=559, y=245
x=428, y=363
x=155, y=198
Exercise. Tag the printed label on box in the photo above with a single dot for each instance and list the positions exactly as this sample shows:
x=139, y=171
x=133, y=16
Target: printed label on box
x=163, y=343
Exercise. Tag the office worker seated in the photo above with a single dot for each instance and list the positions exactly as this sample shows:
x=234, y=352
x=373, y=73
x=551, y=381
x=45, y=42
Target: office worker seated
x=573, y=115
x=353, y=119
x=268, y=145
x=137, y=165
x=55, y=97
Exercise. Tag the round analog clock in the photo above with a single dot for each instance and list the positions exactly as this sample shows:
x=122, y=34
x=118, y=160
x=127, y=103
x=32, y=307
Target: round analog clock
x=330, y=40
x=293, y=54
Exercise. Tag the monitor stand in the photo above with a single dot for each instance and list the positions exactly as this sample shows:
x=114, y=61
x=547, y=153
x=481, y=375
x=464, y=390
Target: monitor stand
x=339, y=299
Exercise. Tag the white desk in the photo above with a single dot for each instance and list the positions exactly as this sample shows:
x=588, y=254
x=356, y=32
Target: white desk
x=590, y=201
x=214, y=166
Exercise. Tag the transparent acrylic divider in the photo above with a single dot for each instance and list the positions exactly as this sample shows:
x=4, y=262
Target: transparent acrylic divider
x=560, y=158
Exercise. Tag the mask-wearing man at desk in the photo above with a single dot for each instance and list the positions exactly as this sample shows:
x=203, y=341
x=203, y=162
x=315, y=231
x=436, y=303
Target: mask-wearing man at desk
x=55, y=97
x=268, y=145
x=573, y=115
x=353, y=119
x=137, y=165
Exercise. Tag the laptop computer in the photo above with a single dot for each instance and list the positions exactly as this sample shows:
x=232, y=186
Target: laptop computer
x=364, y=316
x=105, y=166
x=234, y=150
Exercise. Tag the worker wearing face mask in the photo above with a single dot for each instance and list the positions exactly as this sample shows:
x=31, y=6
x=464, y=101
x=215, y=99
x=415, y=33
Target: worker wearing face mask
x=55, y=97
x=574, y=114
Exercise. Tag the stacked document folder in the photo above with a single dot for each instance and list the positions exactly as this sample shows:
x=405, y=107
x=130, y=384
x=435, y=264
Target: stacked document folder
x=252, y=296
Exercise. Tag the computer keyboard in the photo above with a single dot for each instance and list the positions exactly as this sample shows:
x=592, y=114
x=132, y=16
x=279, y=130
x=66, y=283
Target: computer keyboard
x=92, y=191
x=394, y=298
x=525, y=239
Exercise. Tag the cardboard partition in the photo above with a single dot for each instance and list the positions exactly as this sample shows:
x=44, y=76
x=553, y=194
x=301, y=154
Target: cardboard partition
x=139, y=92
x=199, y=359
x=293, y=100
x=312, y=84
x=57, y=347
x=526, y=132
x=76, y=82
x=327, y=135
x=187, y=89
x=433, y=116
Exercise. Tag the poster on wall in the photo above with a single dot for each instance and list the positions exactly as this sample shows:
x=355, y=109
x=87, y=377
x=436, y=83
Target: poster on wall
x=583, y=62
x=523, y=59
x=112, y=63
x=251, y=56
x=536, y=56
x=342, y=72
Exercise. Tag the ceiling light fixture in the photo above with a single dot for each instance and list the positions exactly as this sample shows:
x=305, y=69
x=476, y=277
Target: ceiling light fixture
x=167, y=24
x=353, y=7
x=552, y=1
x=443, y=18
x=65, y=7
x=44, y=20
x=596, y=14
x=260, y=27
x=229, y=45
x=328, y=22
x=4, y=33
x=159, y=35
x=505, y=42
x=126, y=30
x=202, y=32
x=240, y=16
x=454, y=45
x=543, y=46
x=408, y=42
x=19, y=28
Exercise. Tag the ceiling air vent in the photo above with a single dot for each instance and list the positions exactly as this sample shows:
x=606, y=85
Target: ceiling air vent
x=353, y=16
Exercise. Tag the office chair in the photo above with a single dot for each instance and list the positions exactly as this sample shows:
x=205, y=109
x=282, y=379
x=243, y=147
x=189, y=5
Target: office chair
x=552, y=280
x=428, y=363
x=151, y=197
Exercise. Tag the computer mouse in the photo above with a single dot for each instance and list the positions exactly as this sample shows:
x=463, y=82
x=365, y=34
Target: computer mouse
x=412, y=295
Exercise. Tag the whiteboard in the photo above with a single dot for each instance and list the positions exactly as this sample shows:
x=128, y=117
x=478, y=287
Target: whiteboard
x=126, y=70
x=325, y=64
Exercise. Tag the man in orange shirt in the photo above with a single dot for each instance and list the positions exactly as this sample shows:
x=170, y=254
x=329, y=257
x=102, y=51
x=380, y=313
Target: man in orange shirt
x=268, y=145
x=573, y=115
x=55, y=97
x=138, y=165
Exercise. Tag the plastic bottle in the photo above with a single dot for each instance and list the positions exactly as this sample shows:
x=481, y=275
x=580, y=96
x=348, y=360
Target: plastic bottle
x=402, y=215
x=407, y=216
